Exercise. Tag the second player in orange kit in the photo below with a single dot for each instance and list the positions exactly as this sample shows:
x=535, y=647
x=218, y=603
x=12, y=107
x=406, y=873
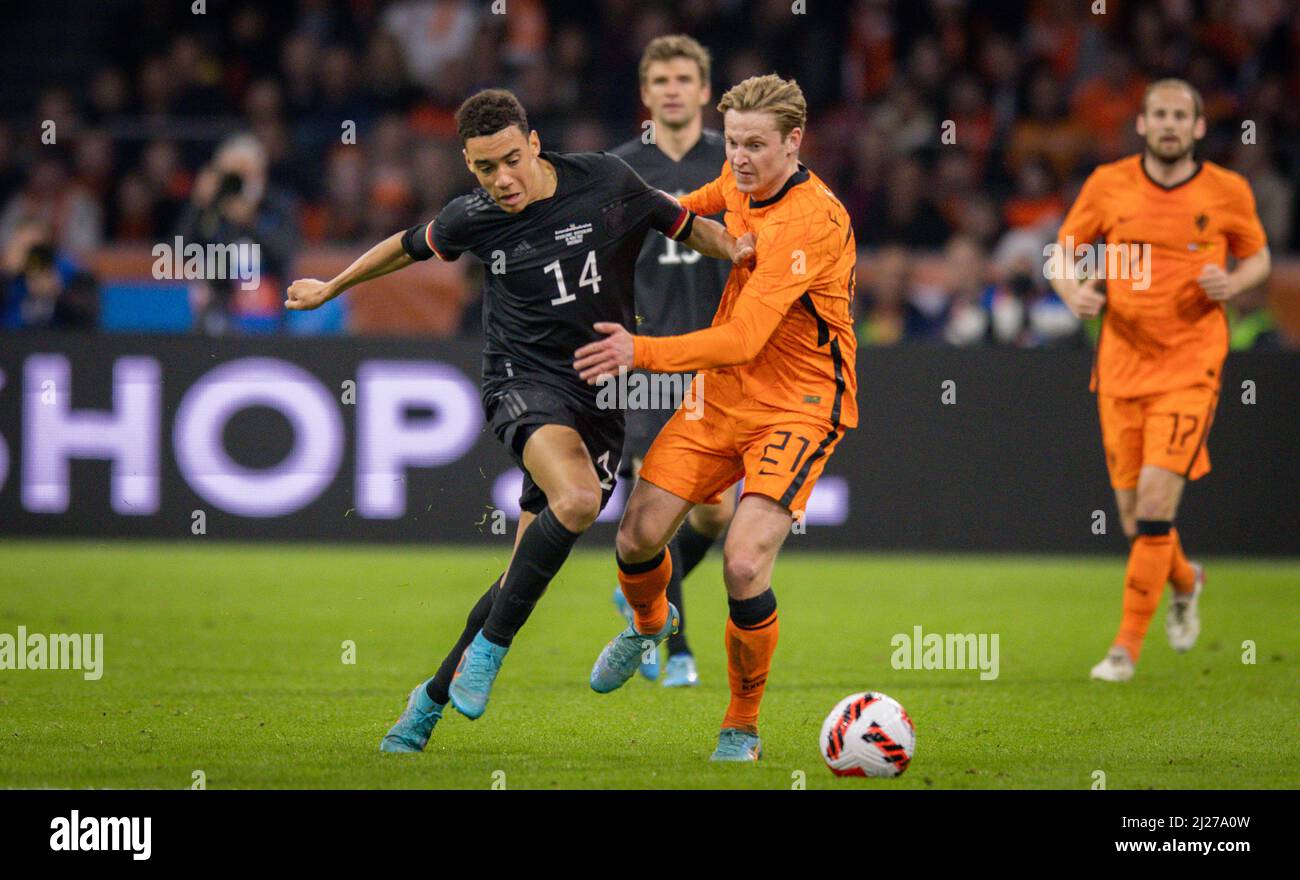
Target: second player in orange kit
x=1170, y=222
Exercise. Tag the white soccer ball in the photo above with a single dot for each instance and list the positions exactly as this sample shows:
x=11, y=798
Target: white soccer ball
x=868, y=734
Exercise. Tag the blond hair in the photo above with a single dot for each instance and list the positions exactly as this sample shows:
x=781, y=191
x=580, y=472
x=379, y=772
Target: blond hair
x=676, y=46
x=1172, y=82
x=769, y=94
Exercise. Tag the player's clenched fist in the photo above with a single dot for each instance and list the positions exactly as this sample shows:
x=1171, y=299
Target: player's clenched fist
x=306, y=294
x=1088, y=299
x=1215, y=282
x=743, y=253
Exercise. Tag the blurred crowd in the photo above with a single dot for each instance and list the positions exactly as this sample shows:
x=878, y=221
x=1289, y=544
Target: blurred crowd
x=957, y=132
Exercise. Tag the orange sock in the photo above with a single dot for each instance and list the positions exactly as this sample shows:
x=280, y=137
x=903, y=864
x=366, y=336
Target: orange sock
x=1149, y=562
x=1181, y=574
x=749, y=657
x=645, y=586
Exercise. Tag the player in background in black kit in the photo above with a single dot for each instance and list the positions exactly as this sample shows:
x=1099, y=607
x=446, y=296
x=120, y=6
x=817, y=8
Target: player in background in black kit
x=560, y=234
x=677, y=291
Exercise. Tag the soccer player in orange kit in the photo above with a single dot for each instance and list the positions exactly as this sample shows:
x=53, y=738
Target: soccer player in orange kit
x=777, y=377
x=1163, y=340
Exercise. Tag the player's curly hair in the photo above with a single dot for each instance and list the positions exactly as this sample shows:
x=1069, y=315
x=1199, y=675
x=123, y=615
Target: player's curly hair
x=487, y=112
x=769, y=94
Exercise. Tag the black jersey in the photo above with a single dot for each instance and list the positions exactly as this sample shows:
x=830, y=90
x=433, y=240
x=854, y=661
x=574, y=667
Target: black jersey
x=555, y=268
x=677, y=289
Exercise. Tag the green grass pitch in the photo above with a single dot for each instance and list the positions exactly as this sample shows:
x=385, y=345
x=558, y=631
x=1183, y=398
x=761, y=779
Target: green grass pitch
x=228, y=659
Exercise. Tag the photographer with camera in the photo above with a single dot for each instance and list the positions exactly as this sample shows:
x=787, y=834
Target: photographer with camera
x=233, y=202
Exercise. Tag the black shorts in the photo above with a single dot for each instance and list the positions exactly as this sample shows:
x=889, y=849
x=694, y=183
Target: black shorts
x=517, y=407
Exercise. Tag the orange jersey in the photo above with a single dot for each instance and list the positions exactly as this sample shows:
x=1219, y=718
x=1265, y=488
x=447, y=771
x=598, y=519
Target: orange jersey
x=783, y=333
x=1160, y=332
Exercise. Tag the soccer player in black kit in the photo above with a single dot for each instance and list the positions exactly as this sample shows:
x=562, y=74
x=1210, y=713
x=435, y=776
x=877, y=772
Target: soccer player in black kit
x=677, y=291
x=565, y=230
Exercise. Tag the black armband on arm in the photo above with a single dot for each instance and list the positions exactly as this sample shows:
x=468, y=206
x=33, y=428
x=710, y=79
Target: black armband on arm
x=685, y=232
x=415, y=243
x=670, y=218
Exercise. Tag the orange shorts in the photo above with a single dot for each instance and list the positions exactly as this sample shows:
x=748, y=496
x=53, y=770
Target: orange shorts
x=779, y=454
x=1166, y=430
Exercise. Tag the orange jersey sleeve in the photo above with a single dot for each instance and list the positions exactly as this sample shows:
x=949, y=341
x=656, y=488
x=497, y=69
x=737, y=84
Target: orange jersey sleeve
x=712, y=197
x=1241, y=227
x=787, y=259
x=1085, y=221
x=723, y=345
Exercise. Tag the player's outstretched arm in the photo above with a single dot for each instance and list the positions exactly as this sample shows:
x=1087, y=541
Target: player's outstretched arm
x=676, y=219
x=735, y=342
x=712, y=239
x=776, y=283
x=387, y=256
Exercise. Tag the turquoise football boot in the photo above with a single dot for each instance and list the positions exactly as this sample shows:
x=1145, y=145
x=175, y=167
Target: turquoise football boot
x=649, y=669
x=412, y=730
x=737, y=745
x=680, y=671
x=472, y=683
x=625, y=652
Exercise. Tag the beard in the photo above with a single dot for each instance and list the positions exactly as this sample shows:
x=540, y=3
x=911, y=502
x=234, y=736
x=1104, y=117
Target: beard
x=1170, y=154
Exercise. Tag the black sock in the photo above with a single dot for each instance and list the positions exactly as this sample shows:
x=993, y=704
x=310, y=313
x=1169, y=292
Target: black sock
x=541, y=552
x=693, y=547
x=752, y=612
x=1154, y=527
x=441, y=681
x=677, y=643
x=688, y=548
